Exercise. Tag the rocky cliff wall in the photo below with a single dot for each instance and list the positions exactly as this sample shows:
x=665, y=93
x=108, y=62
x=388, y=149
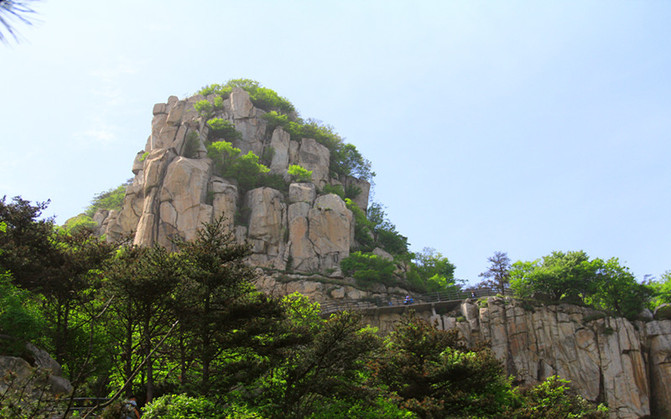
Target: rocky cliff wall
x=624, y=364
x=175, y=190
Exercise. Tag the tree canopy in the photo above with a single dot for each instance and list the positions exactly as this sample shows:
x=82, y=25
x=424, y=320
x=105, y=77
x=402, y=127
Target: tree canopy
x=574, y=277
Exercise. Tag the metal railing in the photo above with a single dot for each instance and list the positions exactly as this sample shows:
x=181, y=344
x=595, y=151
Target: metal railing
x=378, y=302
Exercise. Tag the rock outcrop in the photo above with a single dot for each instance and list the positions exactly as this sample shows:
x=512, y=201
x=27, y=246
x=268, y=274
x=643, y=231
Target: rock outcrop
x=33, y=374
x=613, y=360
x=175, y=190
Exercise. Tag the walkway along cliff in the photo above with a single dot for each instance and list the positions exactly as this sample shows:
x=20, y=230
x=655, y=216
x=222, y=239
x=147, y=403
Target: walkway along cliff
x=624, y=364
x=299, y=236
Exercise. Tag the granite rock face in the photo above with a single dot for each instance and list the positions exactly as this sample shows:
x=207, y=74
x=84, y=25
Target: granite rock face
x=175, y=190
x=608, y=359
x=41, y=373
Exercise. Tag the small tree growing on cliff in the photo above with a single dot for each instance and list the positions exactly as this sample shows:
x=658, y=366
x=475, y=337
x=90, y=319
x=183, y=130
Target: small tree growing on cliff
x=498, y=274
x=299, y=173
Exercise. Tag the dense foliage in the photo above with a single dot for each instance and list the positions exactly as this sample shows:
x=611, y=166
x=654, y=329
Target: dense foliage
x=111, y=199
x=430, y=271
x=246, y=169
x=189, y=334
x=345, y=159
x=661, y=290
x=369, y=268
x=573, y=277
x=261, y=97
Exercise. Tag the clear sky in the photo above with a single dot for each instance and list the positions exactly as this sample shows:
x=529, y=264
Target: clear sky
x=515, y=126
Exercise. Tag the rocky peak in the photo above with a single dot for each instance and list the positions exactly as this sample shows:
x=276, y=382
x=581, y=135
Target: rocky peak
x=177, y=187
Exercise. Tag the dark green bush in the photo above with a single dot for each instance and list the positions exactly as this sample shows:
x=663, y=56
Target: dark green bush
x=191, y=145
x=220, y=128
x=553, y=399
x=181, y=406
x=363, y=228
x=368, y=268
x=336, y=189
x=352, y=191
x=20, y=316
x=111, y=199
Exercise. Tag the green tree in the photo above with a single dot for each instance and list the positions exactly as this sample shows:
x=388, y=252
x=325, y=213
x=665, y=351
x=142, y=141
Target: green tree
x=553, y=398
x=350, y=162
x=617, y=289
x=661, y=290
x=70, y=286
x=228, y=163
x=436, y=376
x=217, y=301
x=432, y=271
x=299, y=173
x=498, y=274
x=559, y=276
x=20, y=317
x=368, y=268
x=573, y=277
x=330, y=365
x=25, y=243
x=248, y=171
x=221, y=128
x=142, y=282
x=223, y=154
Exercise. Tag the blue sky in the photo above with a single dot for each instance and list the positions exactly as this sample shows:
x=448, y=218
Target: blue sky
x=515, y=126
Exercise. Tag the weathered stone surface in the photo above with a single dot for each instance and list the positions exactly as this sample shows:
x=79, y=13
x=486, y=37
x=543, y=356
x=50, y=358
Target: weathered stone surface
x=303, y=255
x=241, y=105
x=252, y=130
x=267, y=223
x=315, y=157
x=361, y=200
x=611, y=360
x=302, y=192
x=184, y=189
x=659, y=360
x=159, y=108
x=155, y=166
x=190, y=115
x=175, y=115
x=172, y=196
x=280, y=143
x=157, y=124
x=42, y=372
x=224, y=201
x=138, y=163
x=329, y=230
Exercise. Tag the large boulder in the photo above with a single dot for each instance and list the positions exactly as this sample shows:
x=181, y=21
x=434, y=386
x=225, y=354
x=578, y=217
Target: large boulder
x=659, y=365
x=315, y=157
x=267, y=224
x=224, y=200
x=182, y=198
x=279, y=142
x=329, y=230
x=34, y=373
